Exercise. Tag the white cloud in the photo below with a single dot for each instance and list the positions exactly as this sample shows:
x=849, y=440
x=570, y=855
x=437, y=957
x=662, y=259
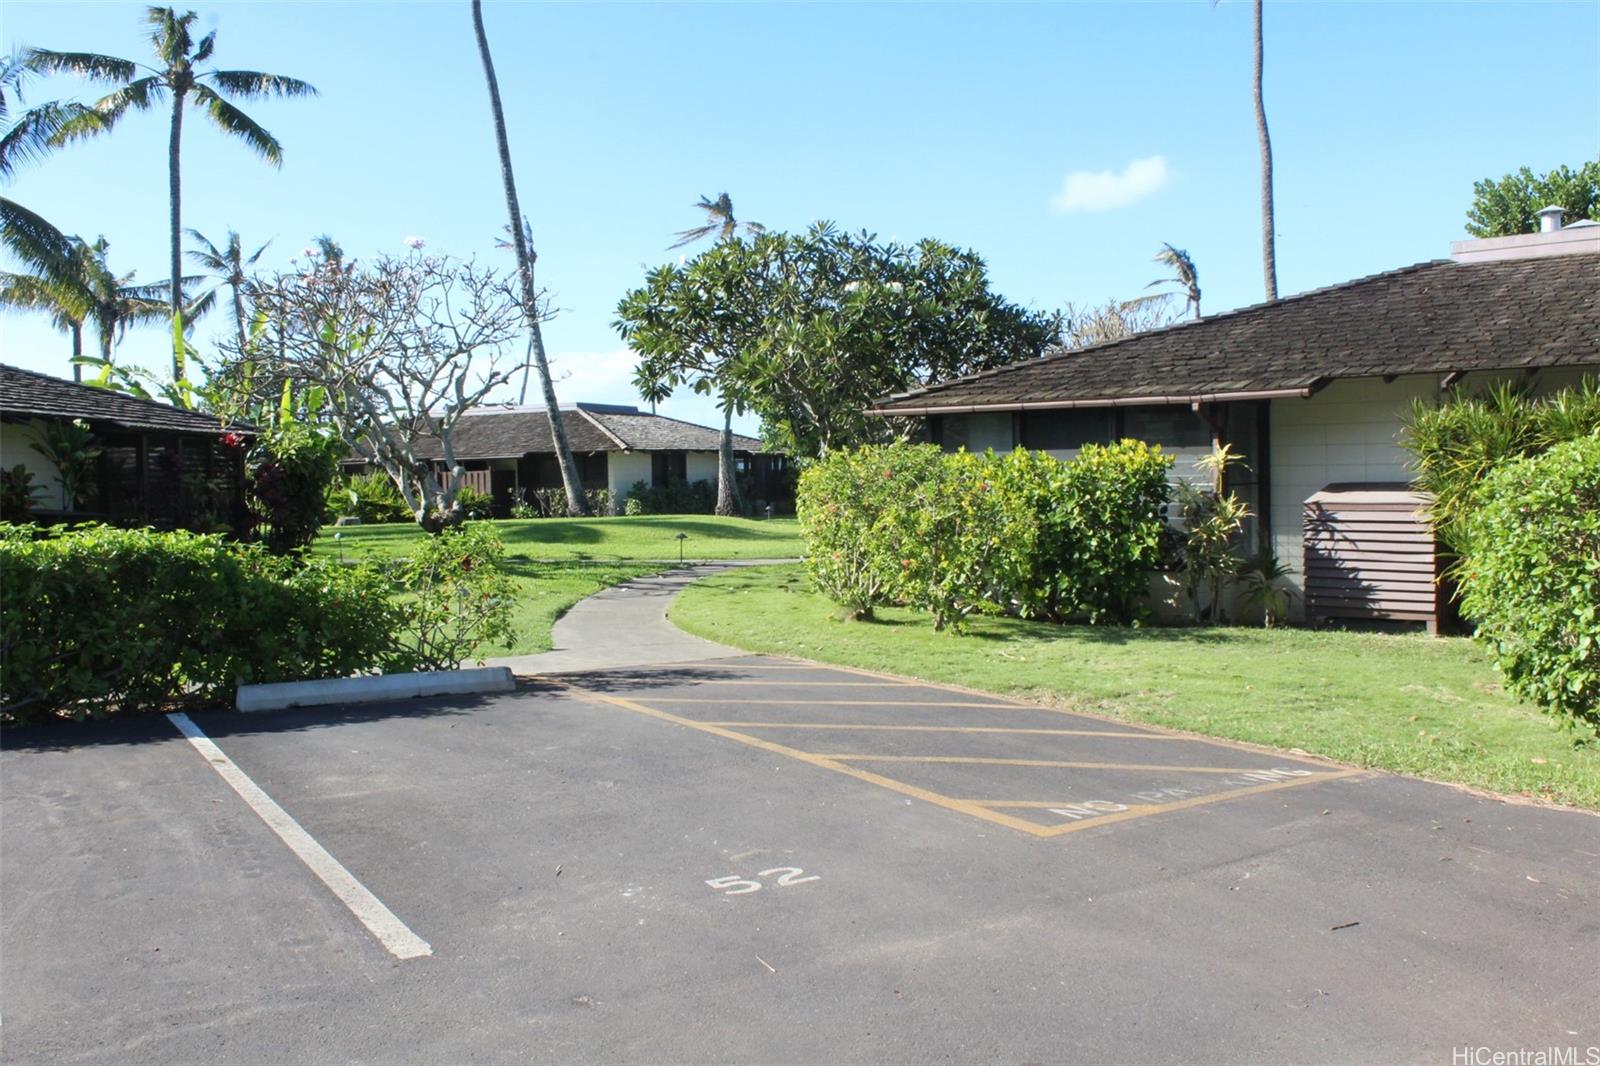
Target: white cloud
x=1105, y=190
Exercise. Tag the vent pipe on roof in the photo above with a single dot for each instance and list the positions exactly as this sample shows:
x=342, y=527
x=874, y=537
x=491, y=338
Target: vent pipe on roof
x=1550, y=219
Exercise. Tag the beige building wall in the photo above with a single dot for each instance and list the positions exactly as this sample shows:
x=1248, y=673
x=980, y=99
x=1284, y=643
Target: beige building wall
x=700, y=466
x=1350, y=431
x=16, y=446
x=622, y=470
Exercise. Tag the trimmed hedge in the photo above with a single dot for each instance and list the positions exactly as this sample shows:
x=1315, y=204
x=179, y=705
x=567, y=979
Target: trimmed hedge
x=1530, y=577
x=955, y=534
x=98, y=618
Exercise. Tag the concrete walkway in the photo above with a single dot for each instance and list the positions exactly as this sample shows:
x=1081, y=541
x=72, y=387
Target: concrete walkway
x=625, y=625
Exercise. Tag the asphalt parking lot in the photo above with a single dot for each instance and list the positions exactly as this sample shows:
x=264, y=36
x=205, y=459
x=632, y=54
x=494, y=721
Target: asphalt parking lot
x=749, y=859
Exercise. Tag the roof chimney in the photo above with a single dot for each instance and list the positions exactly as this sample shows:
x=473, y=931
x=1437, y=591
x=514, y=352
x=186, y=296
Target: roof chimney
x=1550, y=219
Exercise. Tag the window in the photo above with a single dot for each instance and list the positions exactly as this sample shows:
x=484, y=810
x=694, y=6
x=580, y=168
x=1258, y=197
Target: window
x=1066, y=430
x=1170, y=427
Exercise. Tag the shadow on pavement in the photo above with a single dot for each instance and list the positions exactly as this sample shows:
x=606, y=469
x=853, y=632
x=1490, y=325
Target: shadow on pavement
x=222, y=722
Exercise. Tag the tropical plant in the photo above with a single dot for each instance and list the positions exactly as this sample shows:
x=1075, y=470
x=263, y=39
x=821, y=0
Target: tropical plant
x=178, y=77
x=571, y=479
x=229, y=266
x=1512, y=204
x=1184, y=275
x=1457, y=443
x=1263, y=591
x=70, y=446
x=18, y=494
x=719, y=220
x=1212, y=519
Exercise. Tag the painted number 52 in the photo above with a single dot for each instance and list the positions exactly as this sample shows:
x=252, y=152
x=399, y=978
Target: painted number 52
x=738, y=886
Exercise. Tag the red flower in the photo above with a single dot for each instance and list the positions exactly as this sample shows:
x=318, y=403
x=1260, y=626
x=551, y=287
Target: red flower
x=232, y=439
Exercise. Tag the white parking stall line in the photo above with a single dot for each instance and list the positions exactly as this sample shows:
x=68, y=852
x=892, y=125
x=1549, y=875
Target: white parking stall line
x=380, y=921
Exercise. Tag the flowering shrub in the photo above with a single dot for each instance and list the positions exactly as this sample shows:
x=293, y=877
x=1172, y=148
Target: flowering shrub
x=1530, y=577
x=457, y=597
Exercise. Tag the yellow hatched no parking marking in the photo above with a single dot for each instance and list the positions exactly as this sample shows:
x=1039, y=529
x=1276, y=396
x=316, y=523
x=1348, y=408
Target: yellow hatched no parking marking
x=987, y=810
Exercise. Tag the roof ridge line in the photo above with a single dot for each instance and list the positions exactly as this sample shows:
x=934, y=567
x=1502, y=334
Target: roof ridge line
x=603, y=428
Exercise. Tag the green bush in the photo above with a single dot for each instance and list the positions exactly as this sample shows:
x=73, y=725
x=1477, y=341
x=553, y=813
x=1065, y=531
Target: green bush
x=955, y=534
x=677, y=496
x=1457, y=443
x=1530, y=578
x=372, y=497
x=1101, y=527
x=458, y=597
x=474, y=504
x=959, y=542
x=842, y=504
x=98, y=619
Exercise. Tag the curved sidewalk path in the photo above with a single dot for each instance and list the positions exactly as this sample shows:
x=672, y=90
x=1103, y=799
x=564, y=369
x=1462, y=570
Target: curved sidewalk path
x=626, y=625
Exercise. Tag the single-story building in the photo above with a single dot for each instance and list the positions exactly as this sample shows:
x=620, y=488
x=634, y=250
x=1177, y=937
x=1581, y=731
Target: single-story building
x=507, y=451
x=1312, y=389
x=144, y=462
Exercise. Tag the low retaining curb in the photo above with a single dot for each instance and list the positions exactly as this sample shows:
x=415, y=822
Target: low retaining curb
x=374, y=688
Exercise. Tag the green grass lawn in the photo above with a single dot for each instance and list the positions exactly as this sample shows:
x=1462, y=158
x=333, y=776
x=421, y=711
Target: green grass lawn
x=647, y=538
x=546, y=590
x=1403, y=702
x=558, y=561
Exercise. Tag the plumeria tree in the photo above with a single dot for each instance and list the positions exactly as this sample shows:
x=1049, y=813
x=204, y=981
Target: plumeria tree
x=398, y=351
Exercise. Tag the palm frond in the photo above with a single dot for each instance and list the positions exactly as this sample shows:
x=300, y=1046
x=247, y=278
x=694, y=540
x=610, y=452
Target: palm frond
x=689, y=236
x=89, y=65
x=169, y=33
x=33, y=241
x=32, y=136
x=207, y=255
x=231, y=120
x=255, y=85
x=139, y=95
x=207, y=45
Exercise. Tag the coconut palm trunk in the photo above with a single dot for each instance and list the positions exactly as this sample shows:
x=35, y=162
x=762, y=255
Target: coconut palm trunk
x=570, y=479
x=1269, y=254
x=175, y=199
x=727, y=476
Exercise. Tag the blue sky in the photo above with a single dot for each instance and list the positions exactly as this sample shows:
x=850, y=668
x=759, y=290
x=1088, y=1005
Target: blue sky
x=964, y=122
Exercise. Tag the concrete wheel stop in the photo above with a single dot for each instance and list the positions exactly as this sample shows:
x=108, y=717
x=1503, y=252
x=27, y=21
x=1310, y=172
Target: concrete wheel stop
x=375, y=688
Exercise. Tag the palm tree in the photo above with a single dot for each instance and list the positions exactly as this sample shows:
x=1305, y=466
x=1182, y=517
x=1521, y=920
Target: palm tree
x=1269, y=251
x=719, y=220
x=228, y=265
x=90, y=292
x=1184, y=275
x=177, y=77
x=35, y=243
x=61, y=295
x=570, y=479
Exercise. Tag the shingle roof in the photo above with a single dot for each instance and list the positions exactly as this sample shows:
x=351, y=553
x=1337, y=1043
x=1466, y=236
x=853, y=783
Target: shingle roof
x=642, y=432
x=1434, y=317
x=24, y=392
x=510, y=434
